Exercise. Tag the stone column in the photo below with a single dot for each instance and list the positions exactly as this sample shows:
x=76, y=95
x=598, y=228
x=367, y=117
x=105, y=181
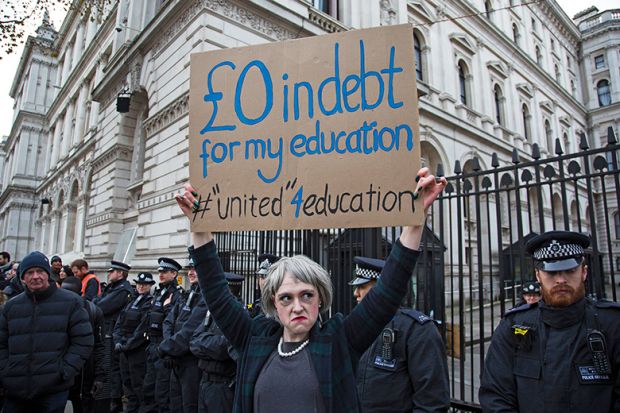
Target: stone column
x=80, y=224
x=78, y=45
x=62, y=226
x=78, y=133
x=56, y=144
x=68, y=131
x=55, y=216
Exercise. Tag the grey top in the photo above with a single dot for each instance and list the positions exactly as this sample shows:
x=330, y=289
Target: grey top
x=288, y=384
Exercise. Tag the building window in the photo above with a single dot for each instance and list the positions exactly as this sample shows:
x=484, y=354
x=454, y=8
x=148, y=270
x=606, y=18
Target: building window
x=552, y=45
x=617, y=224
x=599, y=61
x=488, y=8
x=515, y=33
x=573, y=89
x=533, y=24
x=604, y=94
x=326, y=6
x=538, y=56
x=618, y=263
x=568, y=62
x=418, y=57
x=557, y=74
x=499, y=101
x=549, y=136
x=463, y=72
x=525, y=112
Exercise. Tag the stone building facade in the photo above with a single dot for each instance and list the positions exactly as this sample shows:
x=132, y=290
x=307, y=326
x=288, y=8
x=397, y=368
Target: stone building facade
x=81, y=179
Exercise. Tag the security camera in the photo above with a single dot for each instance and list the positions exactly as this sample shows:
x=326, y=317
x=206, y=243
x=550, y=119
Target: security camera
x=118, y=28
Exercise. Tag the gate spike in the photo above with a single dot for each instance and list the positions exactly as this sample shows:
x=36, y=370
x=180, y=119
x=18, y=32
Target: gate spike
x=440, y=171
x=558, y=147
x=611, y=136
x=475, y=164
x=494, y=161
x=583, y=143
x=457, y=168
x=515, y=156
x=535, y=151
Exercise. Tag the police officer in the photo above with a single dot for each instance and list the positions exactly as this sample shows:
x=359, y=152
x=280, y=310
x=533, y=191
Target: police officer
x=114, y=298
x=405, y=369
x=265, y=262
x=562, y=354
x=179, y=325
x=217, y=360
x=156, y=386
x=130, y=341
x=530, y=293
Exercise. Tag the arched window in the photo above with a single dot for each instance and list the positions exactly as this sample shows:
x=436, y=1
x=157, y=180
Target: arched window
x=549, y=135
x=498, y=97
x=418, y=57
x=515, y=33
x=525, y=112
x=538, y=56
x=463, y=86
x=604, y=94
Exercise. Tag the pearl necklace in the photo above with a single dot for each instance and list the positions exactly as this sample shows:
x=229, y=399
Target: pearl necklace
x=291, y=353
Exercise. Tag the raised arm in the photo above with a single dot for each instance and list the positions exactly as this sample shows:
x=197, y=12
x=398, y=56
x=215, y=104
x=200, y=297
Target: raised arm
x=369, y=317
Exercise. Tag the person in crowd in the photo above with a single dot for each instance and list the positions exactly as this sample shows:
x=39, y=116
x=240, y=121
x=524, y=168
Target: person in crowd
x=287, y=360
x=217, y=360
x=530, y=293
x=179, y=325
x=114, y=298
x=5, y=261
x=9, y=275
x=90, y=379
x=90, y=283
x=156, y=387
x=265, y=262
x=405, y=369
x=131, y=343
x=562, y=355
x=15, y=285
x=56, y=262
x=65, y=272
x=45, y=339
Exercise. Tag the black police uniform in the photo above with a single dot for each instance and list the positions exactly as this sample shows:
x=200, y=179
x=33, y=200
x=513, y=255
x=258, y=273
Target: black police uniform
x=114, y=298
x=405, y=369
x=555, y=359
x=130, y=341
x=217, y=361
x=179, y=325
x=156, y=385
x=265, y=262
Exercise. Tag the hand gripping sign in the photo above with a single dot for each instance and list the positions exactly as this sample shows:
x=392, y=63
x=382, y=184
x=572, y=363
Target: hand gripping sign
x=310, y=133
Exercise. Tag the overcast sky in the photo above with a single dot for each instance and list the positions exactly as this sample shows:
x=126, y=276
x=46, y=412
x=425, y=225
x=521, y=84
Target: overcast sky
x=8, y=64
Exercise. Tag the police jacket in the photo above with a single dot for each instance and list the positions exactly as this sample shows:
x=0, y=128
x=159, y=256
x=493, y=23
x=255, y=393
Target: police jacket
x=540, y=361
x=213, y=349
x=94, y=368
x=405, y=369
x=164, y=299
x=45, y=338
x=186, y=315
x=113, y=299
x=131, y=326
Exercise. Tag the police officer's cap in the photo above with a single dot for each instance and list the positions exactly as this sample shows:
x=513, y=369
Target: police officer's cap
x=191, y=263
x=145, y=278
x=266, y=261
x=233, y=279
x=366, y=270
x=117, y=265
x=168, y=264
x=558, y=250
x=531, y=287
x=55, y=258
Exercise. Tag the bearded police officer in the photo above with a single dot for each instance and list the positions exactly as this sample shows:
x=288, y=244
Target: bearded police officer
x=217, y=360
x=130, y=341
x=405, y=369
x=562, y=354
x=156, y=385
x=186, y=315
x=114, y=298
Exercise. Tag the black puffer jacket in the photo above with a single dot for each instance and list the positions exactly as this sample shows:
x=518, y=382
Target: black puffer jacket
x=45, y=338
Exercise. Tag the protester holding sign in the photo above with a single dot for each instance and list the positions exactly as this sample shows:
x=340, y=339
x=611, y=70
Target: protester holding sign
x=322, y=357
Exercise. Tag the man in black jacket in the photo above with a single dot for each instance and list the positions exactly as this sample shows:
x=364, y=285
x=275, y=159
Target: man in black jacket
x=186, y=315
x=45, y=339
x=113, y=299
x=130, y=341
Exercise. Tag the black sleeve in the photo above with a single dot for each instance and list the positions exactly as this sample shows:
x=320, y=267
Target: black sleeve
x=114, y=302
x=498, y=391
x=80, y=341
x=210, y=343
x=178, y=344
x=99, y=349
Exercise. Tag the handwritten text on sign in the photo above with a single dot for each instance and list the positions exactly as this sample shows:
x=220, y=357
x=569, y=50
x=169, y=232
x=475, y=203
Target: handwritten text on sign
x=318, y=132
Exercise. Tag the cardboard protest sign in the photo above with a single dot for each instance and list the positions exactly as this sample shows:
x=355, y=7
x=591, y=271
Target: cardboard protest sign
x=312, y=133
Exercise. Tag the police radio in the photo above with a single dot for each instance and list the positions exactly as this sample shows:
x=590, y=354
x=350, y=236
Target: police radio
x=598, y=349
x=388, y=343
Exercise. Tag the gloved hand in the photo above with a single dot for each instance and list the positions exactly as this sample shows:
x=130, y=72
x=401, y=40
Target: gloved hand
x=168, y=362
x=97, y=387
x=119, y=348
